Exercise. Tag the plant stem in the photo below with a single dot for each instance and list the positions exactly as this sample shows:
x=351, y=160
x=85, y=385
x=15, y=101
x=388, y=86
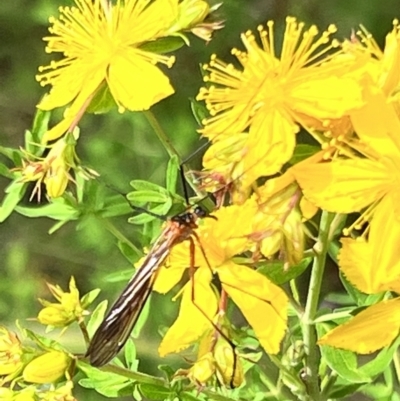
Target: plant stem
x=161, y=135
x=308, y=327
x=121, y=237
x=171, y=150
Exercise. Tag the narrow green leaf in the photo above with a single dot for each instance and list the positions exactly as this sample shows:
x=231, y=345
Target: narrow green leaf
x=163, y=45
x=102, y=102
x=303, y=151
x=343, y=362
x=172, y=174
x=199, y=110
x=277, y=273
x=381, y=361
x=14, y=193
x=39, y=128
x=141, y=185
x=88, y=298
x=130, y=355
x=56, y=211
x=340, y=391
x=153, y=392
x=96, y=318
x=143, y=197
x=130, y=253
x=106, y=383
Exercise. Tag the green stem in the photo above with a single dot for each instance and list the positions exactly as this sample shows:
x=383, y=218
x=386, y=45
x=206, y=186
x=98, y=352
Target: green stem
x=171, y=150
x=161, y=135
x=308, y=327
x=396, y=362
x=121, y=237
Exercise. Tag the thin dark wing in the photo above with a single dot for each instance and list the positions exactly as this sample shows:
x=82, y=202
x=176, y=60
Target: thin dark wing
x=116, y=327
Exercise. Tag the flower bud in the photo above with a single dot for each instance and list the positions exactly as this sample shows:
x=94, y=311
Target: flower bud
x=10, y=354
x=47, y=368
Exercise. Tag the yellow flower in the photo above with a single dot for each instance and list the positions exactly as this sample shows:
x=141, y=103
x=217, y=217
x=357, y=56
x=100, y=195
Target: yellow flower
x=277, y=225
x=47, y=368
x=369, y=183
x=272, y=97
x=10, y=355
x=68, y=310
x=62, y=393
x=101, y=44
x=54, y=169
x=383, y=66
x=221, y=239
x=378, y=325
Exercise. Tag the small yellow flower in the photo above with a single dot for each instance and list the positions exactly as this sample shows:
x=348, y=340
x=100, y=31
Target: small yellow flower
x=272, y=97
x=68, y=309
x=101, y=44
x=54, y=169
x=10, y=355
x=193, y=15
x=62, y=393
x=47, y=368
x=27, y=394
x=277, y=224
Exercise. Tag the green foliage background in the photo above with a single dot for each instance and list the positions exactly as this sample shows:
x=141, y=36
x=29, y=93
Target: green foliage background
x=121, y=147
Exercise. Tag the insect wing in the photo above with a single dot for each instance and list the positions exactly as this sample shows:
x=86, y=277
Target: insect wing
x=115, y=329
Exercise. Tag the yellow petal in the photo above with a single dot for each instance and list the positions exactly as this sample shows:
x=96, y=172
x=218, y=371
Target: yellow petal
x=263, y=304
x=270, y=144
x=384, y=239
x=378, y=125
x=194, y=317
x=135, y=83
x=374, y=328
x=338, y=97
x=343, y=186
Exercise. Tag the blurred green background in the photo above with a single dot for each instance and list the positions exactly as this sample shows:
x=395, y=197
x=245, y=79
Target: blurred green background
x=122, y=147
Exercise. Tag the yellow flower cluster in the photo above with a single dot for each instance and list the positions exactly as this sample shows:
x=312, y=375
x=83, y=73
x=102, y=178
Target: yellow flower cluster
x=346, y=96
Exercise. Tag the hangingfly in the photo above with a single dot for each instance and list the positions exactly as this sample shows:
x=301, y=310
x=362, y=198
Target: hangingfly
x=116, y=327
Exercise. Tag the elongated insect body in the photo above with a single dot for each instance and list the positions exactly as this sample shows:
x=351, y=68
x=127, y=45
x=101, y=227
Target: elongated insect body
x=116, y=327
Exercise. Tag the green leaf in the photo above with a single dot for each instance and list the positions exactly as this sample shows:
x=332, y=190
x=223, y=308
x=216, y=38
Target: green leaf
x=153, y=392
x=130, y=355
x=358, y=296
x=14, y=193
x=381, y=361
x=115, y=206
x=102, y=101
x=131, y=254
x=144, y=315
x=39, y=128
x=96, y=318
x=43, y=342
x=13, y=154
x=343, y=362
x=276, y=272
x=172, y=174
x=378, y=391
x=141, y=185
x=5, y=172
x=303, y=151
x=163, y=45
x=56, y=211
x=199, y=111
x=339, y=392
x=88, y=298
x=106, y=383
x=143, y=197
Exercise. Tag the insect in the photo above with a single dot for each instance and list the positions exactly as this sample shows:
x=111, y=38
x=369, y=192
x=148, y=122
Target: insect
x=116, y=327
